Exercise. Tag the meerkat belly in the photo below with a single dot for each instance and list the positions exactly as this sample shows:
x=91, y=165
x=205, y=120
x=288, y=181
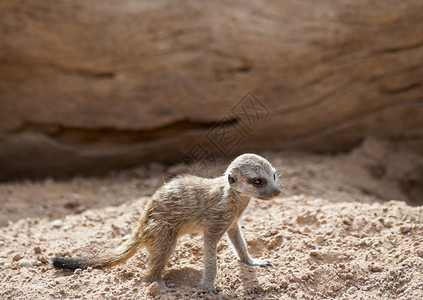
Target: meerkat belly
x=191, y=228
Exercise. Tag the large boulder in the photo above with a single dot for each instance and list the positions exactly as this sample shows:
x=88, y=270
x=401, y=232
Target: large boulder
x=87, y=86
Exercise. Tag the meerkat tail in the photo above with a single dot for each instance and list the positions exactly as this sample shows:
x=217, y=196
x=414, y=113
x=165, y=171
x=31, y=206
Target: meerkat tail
x=108, y=259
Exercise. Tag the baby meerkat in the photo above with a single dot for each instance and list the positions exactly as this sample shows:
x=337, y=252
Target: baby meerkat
x=189, y=204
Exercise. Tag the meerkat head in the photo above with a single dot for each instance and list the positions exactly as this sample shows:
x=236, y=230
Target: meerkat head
x=254, y=176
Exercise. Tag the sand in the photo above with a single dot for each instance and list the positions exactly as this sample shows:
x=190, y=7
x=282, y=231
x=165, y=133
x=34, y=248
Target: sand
x=343, y=227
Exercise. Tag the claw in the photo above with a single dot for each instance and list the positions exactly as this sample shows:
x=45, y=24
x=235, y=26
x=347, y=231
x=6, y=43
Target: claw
x=208, y=291
x=258, y=262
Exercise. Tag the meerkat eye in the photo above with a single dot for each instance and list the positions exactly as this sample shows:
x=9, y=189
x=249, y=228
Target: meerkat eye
x=274, y=176
x=257, y=181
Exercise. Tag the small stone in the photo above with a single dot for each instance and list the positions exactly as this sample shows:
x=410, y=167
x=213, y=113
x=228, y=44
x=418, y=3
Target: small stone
x=313, y=253
x=306, y=229
x=36, y=263
x=284, y=284
x=153, y=289
x=388, y=223
x=419, y=252
x=352, y=290
x=366, y=241
x=57, y=223
x=24, y=263
x=37, y=250
x=405, y=228
x=223, y=265
x=77, y=271
x=375, y=268
x=42, y=259
x=17, y=257
x=319, y=239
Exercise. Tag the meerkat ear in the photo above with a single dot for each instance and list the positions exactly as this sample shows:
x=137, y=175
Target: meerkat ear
x=231, y=178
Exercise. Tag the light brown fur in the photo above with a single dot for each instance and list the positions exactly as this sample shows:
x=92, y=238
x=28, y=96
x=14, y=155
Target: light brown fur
x=187, y=204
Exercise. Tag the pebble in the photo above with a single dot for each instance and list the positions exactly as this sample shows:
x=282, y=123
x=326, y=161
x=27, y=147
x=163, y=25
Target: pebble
x=7, y=265
x=17, y=257
x=405, y=228
x=42, y=259
x=319, y=239
x=57, y=223
x=24, y=263
x=223, y=265
x=375, y=268
x=153, y=289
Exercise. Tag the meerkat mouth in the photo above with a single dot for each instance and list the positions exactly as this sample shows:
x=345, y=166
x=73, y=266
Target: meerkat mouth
x=265, y=198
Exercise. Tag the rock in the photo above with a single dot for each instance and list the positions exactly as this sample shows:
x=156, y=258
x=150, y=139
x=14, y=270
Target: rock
x=189, y=70
x=405, y=228
x=319, y=239
x=57, y=223
x=37, y=250
x=17, y=257
x=284, y=284
x=153, y=289
x=375, y=268
x=24, y=263
x=42, y=259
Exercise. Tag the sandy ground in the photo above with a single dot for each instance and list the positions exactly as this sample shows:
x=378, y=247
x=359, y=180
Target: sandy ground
x=338, y=230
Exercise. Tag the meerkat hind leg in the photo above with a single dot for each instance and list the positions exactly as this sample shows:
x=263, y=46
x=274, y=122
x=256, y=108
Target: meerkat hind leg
x=235, y=236
x=159, y=255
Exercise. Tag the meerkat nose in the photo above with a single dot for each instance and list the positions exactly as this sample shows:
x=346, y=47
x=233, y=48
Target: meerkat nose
x=276, y=192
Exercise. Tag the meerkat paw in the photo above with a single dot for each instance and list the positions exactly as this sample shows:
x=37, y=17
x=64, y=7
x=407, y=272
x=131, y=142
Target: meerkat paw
x=258, y=262
x=163, y=287
x=209, y=288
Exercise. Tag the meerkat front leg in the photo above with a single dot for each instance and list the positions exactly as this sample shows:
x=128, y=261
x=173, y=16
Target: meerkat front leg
x=237, y=240
x=211, y=238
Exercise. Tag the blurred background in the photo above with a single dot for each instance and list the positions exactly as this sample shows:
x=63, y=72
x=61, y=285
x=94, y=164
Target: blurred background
x=92, y=86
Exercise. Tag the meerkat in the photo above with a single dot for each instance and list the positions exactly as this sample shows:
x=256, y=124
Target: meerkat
x=189, y=204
